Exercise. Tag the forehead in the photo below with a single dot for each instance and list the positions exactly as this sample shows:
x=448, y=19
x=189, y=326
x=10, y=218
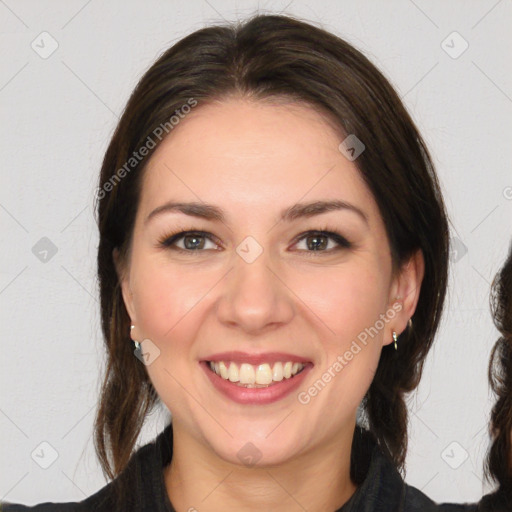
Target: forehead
x=252, y=153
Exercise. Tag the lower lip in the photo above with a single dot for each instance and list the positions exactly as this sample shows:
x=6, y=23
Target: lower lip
x=256, y=396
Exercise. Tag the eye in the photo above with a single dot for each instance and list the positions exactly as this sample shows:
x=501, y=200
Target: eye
x=193, y=241
x=318, y=241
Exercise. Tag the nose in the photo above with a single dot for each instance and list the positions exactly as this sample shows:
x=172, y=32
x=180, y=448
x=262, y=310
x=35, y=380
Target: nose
x=255, y=297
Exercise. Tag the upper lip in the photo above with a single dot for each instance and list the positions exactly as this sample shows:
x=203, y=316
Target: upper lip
x=256, y=359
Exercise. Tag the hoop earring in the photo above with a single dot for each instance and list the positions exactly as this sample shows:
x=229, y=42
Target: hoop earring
x=136, y=343
x=395, y=339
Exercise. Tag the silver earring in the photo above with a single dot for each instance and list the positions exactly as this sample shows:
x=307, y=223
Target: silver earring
x=136, y=343
x=395, y=339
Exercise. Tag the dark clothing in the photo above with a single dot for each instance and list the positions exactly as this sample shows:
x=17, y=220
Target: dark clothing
x=380, y=486
x=496, y=502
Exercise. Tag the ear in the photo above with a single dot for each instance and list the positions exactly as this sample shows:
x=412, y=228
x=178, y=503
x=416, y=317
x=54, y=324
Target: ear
x=124, y=280
x=405, y=293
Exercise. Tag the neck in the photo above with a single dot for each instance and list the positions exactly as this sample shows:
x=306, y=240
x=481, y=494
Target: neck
x=318, y=481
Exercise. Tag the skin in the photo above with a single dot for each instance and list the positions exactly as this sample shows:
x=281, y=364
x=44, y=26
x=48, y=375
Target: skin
x=254, y=159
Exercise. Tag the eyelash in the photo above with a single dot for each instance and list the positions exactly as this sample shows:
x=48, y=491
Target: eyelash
x=167, y=241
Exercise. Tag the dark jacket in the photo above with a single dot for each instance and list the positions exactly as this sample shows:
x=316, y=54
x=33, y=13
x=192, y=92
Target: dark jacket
x=380, y=486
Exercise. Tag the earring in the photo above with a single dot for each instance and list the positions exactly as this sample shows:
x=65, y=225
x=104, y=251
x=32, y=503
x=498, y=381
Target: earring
x=136, y=343
x=395, y=339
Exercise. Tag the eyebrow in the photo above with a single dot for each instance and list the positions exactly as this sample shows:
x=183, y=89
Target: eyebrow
x=211, y=212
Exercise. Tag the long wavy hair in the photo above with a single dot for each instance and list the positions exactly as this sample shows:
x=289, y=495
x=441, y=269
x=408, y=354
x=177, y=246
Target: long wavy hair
x=498, y=462
x=269, y=57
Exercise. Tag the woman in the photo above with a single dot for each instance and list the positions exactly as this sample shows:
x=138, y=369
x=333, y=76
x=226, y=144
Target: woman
x=274, y=241
x=499, y=458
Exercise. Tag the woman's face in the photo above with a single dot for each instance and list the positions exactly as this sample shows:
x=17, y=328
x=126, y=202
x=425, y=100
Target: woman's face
x=261, y=284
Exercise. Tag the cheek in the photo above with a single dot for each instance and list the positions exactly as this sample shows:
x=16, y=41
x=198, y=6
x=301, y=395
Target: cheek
x=166, y=296
x=348, y=299
x=169, y=303
x=349, y=302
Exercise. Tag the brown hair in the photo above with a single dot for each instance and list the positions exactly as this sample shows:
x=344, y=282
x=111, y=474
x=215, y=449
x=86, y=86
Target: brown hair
x=498, y=463
x=273, y=57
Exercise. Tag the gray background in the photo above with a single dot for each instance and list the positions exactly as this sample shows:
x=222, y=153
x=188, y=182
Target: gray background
x=58, y=114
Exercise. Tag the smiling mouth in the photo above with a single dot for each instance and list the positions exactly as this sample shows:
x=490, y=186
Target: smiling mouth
x=256, y=376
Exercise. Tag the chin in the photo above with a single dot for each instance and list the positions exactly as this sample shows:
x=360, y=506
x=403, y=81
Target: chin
x=250, y=452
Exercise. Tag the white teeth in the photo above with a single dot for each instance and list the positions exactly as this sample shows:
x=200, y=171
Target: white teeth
x=233, y=373
x=277, y=372
x=264, y=374
x=224, y=373
x=255, y=376
x=247, y=374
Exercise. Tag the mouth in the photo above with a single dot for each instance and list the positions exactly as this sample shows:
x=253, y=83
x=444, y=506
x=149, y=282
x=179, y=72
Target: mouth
x=259, y=384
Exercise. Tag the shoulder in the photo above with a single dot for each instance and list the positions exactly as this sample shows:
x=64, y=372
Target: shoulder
x=99, y=502
x=42, y=507
x=381, y=486
x=416, y=501
x=141, y=483
x=499, y=501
